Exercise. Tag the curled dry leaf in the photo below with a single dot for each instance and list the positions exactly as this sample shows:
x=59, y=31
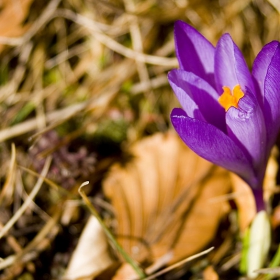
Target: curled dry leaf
x=125, y=272
x=210, y=274
x=245, y=202
x=91, y=255
x=12, y=15
x=275, y=219
x=162, y=199
x=271, y=174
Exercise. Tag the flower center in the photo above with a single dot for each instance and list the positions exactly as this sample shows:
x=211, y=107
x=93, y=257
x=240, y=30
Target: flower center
x=228, y=99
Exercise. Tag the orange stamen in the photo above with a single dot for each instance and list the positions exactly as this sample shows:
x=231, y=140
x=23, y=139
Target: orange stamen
x=228, y=100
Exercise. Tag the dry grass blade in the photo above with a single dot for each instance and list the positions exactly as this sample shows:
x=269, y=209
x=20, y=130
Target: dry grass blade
x=138, y=270
x=275, y=271
x=38, y=244
x=86, y=82
x=98, y=104
x=57, y=116
x=114, y=45
x=7, y=189
x=163, y=271
x=31, y=196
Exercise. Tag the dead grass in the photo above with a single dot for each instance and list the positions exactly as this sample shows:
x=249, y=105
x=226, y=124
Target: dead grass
x=80, y=81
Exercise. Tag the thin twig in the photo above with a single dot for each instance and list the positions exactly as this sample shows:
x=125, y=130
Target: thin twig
x=114, y=45
x=27, y=202
x=179, y=264
x=61, y=115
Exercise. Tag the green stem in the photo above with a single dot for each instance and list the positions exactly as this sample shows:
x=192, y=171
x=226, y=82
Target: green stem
x=115, y=243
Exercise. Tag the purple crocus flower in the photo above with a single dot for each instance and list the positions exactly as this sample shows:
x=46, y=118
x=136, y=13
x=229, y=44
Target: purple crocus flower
x=229, y=116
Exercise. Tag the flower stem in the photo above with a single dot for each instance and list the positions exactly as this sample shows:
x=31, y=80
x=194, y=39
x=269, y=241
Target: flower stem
x=258, y=195
x=115, y=243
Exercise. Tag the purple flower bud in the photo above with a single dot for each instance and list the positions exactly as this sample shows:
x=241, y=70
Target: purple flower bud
x=229, y=116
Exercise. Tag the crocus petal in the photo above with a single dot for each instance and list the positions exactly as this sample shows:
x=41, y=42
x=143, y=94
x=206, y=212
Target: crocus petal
x=261, y=64
x=246, y=127
x=186, y=100
x=194, y=52
x=272, y=98
x=212, y=144
x=230, y=66
x=187, y=85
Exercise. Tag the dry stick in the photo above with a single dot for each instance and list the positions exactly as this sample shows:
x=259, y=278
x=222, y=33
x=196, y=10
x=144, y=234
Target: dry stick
x=179, y=264
x=29, y=125
x=99, y=102
x=33, y=206
x=8, y=91
x=114, y=45
x=66, y=113
x=95, y=31
x=137, y=45
x=9, y=183
x=30, y=252
x=154, y=83
x=226, y=197
x=65, y=55
x=49, y=182
x=12, y=242
x=136, y=40
x=117, y=246
x=26, y=203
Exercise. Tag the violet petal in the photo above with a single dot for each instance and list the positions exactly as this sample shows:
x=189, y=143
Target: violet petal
x=272, y=98
x=186, y=86
x=246, y=127
x=212, y=144
x=265, y=72
x=260, y=67
x=194, y=52
x=230, y=66
x=186, y=101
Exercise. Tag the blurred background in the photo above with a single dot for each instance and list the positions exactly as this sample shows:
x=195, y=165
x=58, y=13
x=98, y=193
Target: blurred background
x=84, y=96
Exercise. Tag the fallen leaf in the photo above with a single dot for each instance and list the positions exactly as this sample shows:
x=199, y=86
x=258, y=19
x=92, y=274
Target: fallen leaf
x=245, y=202
x=162, y=199
x=210, y=274
x=271, y=174
x=91, y=255
x=125, y=272
x=275, y=218
x=12, y=15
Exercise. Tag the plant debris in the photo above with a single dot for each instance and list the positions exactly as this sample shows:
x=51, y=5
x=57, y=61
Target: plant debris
x=84, y=96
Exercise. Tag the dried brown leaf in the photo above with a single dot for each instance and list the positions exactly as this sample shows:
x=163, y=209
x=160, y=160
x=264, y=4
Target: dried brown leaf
x=163, y=199
x=245, y=202
x=269, y=184
x=275, y=219
x=125, y=272
x=91, y=255
x=210, y=274
x=11, y=18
